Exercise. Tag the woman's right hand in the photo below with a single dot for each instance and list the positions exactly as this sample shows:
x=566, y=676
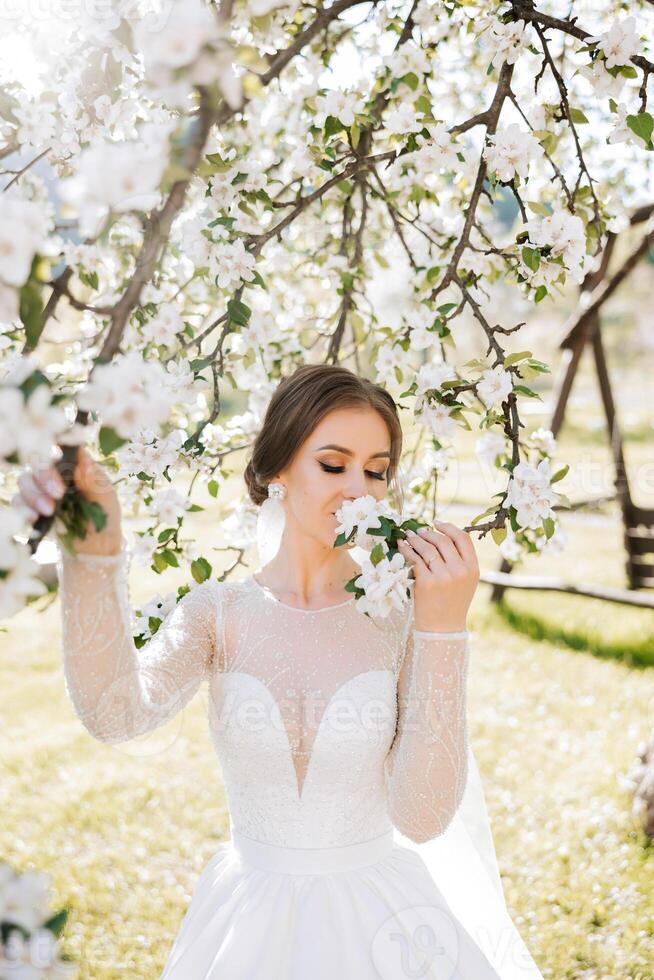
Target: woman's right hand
x=40, y=490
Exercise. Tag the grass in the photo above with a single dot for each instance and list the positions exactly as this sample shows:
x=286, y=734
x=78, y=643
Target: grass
x=561, y=693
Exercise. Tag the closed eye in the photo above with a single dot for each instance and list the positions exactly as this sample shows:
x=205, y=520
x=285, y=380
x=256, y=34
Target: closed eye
x=339, y=469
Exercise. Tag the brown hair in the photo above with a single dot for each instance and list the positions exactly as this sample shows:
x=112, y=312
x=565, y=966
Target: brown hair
x=298, y=404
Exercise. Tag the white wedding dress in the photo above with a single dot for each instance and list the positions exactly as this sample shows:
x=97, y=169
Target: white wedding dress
x=343, y=746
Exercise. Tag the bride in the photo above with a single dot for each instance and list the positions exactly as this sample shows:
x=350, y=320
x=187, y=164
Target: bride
x=360, y=846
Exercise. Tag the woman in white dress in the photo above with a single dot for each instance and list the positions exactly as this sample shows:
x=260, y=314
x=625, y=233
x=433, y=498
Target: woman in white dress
x=359, y=842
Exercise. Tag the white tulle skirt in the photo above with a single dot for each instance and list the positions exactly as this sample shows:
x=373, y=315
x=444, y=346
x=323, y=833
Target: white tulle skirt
x=366, y=911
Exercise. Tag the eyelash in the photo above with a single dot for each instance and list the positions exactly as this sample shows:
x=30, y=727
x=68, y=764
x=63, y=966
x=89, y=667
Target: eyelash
x=339, y=469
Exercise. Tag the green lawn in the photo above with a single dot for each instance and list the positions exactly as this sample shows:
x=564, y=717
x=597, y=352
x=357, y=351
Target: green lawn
x=557, y=709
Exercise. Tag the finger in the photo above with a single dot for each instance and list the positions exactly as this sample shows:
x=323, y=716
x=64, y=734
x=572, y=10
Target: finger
x=420, y=561
x=423, y=548
x=49, y=482
x=430, y=543
x=462, y=540
x=34, y=495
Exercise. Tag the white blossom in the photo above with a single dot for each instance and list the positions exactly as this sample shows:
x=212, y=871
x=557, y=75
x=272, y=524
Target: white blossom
x=620, y=43
x=510, y=548
x=22, y=230
x=622, y=132
x=439, y=152
x=163, y=327
x=231, y=264
x=508, y=41
x=544, y=439
x=29, y=427
x=494, y=386
x=386, y=585
x=128, y=394
x=489, y=446
x=142, y=549
x=343, y=106
x=510, y=152
x=364, y=513
x=431, y=376
x=117, y=176
x=530, y=492
x=565, y=233
x=169, y=505
x=437, y=418
x=402, y=119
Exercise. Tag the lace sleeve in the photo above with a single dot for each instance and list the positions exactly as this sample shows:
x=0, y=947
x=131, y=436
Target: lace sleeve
x=426, y=766
x=119, y=692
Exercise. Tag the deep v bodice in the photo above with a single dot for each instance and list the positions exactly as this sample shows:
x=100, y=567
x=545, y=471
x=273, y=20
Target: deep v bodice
x=305, y=705
x=299, y=734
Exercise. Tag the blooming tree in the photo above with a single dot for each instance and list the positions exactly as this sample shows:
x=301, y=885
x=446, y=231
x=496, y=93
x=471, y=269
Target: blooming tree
x=223, y=182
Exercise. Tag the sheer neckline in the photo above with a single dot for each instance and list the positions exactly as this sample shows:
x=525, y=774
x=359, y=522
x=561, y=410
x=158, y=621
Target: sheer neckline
x=270, y=594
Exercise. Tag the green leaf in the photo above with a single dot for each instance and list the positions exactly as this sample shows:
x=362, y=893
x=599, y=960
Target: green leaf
x=159, y=563
x=643, y=126
x=514, y=358
x=423, y=105
x=524, y=390
x=540, y=294
x=377, y=554
x=55, y=924
x=212, y=487
x=355, y=133
x=412, y=80
x=200, y=363
x=33, y=381
x=479, y=517
x=110, y=440
x=31, y=312
x=238, y=312
x=549, y=526
x=170, y=557
x=539, y=208
x=92, y=511
x=89, y=278
x=560, y=473
x=577, y=116
x=498, y=534
x=258, y=280
x=332, y=126
x=531, y=258
x=200, y=569
x=217, y=162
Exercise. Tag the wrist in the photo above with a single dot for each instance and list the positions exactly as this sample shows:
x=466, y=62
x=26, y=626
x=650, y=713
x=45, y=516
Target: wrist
x=99, y=545
x=443, y=626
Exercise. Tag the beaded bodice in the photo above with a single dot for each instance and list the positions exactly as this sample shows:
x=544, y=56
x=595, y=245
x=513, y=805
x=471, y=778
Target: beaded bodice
x=330, y=726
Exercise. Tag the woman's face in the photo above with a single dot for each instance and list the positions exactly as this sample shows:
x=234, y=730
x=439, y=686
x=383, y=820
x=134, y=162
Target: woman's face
x=322, y=476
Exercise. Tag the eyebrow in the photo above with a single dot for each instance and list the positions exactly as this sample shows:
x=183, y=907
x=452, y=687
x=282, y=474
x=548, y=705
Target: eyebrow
x=348, y=452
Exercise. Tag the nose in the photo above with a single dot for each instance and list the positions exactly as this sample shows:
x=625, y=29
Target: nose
x=356, y=486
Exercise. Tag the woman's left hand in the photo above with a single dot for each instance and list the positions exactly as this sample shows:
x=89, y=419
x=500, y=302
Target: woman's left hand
x=446, y=573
